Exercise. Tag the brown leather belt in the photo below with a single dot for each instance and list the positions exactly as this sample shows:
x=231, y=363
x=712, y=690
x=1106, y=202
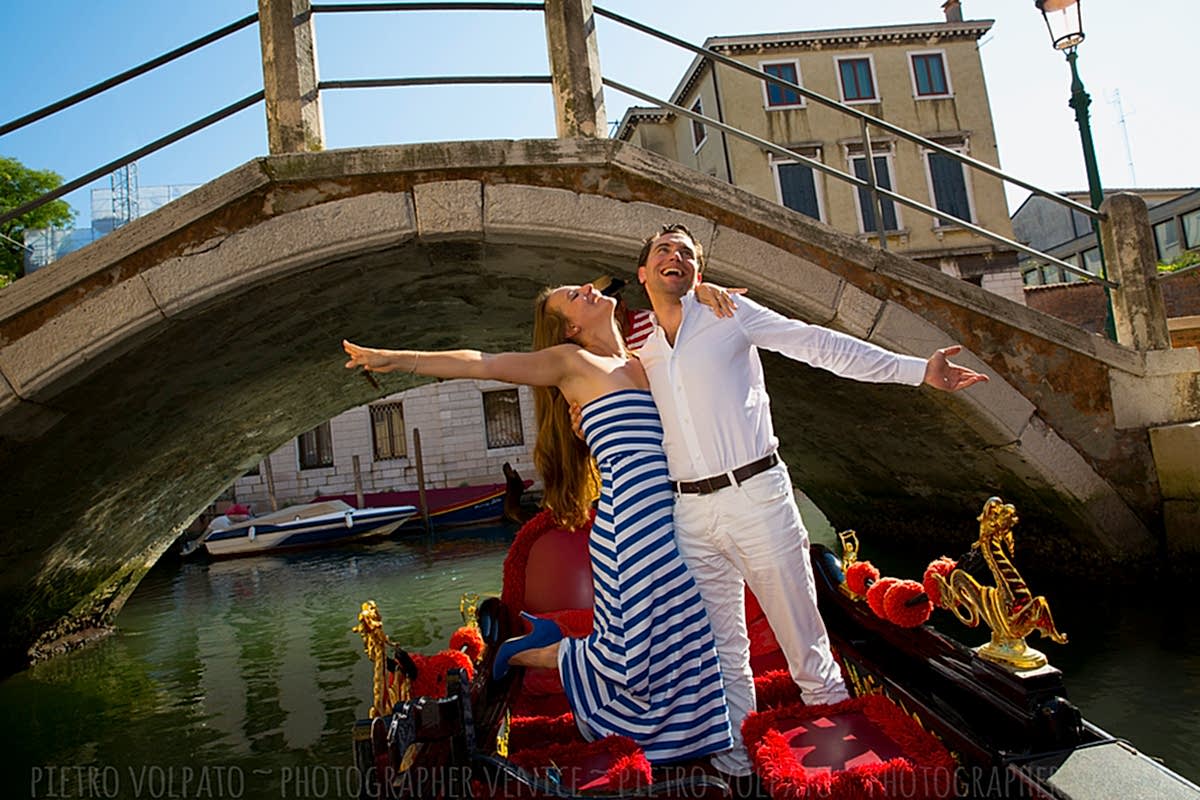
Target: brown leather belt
x=740, y=475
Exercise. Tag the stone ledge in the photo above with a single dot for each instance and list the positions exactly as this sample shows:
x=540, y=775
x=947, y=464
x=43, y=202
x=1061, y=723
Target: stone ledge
x=1140, y=401
x=448, y=210
x=1176, y=451
x=515, y=212
x=340, y=228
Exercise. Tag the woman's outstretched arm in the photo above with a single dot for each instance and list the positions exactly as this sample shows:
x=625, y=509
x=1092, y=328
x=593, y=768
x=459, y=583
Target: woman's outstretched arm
x=546, y=367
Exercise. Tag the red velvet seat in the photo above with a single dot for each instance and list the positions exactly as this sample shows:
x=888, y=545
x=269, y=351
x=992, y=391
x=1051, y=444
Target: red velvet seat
x=548, y=573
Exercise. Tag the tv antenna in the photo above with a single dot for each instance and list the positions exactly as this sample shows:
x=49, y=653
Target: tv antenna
x=1115, y=99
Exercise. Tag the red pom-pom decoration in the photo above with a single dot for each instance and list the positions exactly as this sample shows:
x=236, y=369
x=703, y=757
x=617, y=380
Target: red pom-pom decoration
x=907, y=605
x=942, y=566
x=431, y=679
x=860, y=576
x=469, y=641
x=877, y=592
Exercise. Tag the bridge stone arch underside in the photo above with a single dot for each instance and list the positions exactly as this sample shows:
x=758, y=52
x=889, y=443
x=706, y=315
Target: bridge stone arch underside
x=144, y=373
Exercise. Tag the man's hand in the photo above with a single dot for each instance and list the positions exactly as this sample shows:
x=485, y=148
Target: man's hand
x=718, y=298
x=942, y=373
x=577, y=420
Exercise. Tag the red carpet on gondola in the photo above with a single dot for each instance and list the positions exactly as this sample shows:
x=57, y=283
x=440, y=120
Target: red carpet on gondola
x=865, y=747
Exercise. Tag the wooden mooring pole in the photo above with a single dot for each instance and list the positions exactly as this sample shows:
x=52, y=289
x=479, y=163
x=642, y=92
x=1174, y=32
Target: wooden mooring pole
x=358, y=492
x=266, y=468
x=424, y=505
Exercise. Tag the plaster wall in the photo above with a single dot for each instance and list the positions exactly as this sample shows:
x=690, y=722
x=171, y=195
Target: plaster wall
x=454, y=448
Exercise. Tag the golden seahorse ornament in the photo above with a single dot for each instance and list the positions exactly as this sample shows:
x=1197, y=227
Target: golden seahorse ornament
x=375, y=642
x=1009, y=608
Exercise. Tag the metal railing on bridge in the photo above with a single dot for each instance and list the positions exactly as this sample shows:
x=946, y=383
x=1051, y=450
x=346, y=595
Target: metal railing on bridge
x=870, y=183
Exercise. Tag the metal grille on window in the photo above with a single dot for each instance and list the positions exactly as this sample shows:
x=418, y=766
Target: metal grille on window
x=316, y=447
x=387, y=431
x=502, y=418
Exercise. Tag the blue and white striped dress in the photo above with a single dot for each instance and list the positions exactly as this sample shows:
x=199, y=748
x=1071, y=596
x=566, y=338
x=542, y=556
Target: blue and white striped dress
x=649, y=670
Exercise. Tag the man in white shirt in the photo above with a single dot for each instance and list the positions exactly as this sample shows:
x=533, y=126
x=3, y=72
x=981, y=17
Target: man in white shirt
x=735, y=516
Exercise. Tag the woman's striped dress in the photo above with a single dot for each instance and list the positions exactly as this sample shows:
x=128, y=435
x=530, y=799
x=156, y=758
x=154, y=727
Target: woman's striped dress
x=649, y=670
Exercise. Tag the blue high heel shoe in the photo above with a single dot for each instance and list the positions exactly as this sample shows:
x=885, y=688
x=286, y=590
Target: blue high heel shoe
x=545, y=632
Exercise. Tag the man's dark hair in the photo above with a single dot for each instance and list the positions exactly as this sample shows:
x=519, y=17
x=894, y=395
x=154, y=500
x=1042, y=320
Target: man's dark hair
x=671, y=227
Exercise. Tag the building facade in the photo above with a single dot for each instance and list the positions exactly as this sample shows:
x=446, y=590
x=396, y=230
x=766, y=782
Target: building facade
x=925, y=78
x=468, y=430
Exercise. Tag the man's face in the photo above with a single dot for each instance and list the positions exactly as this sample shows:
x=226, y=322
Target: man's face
x=670, y=269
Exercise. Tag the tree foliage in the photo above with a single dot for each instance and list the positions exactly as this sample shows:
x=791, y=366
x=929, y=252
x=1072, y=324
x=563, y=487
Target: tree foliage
x=18, y=185
x=1185, y=259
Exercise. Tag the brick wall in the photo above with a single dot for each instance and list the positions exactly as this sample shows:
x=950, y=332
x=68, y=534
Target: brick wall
x=1084, y=304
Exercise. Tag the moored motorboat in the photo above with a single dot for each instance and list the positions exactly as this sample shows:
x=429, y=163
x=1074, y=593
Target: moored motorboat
x=301, y=526
x=929, y=717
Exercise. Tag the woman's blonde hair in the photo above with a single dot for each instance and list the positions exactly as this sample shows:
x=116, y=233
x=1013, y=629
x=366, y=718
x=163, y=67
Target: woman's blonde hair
x=568, y=470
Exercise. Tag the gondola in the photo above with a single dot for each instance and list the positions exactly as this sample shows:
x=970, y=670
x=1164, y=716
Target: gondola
x=929, y=717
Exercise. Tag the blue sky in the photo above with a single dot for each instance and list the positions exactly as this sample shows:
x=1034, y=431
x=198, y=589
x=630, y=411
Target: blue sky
x=57, y=47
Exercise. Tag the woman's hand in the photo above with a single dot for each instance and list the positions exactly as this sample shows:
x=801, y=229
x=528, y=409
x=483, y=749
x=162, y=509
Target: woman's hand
x=718, y=298
x=374, y=360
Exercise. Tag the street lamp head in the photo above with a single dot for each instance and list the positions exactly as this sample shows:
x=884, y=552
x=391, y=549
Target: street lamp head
x=1064, y=20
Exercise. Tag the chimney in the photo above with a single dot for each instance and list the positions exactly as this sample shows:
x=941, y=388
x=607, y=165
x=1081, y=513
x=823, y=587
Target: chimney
x=953, y=9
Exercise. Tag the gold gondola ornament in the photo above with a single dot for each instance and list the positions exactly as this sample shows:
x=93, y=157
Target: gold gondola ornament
x=1009, y=608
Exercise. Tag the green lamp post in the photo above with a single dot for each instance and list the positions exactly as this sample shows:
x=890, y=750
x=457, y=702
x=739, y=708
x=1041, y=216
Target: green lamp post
x=1064, y=21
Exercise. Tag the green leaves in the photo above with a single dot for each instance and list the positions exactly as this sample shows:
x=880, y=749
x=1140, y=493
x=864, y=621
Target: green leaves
x=19, y=185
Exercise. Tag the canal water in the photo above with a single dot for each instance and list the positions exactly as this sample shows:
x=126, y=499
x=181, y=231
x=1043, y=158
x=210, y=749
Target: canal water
x=242, y=678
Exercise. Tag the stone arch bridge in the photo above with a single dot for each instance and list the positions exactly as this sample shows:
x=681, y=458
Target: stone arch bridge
x=141, y=375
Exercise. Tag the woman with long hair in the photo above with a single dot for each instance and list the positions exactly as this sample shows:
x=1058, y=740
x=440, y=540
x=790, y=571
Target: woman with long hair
x=649, y=670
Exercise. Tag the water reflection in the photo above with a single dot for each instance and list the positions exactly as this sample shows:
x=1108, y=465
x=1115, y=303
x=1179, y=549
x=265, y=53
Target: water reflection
x=247, y=666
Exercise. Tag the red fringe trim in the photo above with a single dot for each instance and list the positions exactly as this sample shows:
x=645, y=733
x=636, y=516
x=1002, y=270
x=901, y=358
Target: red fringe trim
x=527, y=704
x=628, y=769
x=942, y=566
x=529, y=733
x=775, y=688
x=925, y=773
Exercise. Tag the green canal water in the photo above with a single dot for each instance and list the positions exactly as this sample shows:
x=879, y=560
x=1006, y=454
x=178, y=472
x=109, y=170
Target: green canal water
x=242, y=678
